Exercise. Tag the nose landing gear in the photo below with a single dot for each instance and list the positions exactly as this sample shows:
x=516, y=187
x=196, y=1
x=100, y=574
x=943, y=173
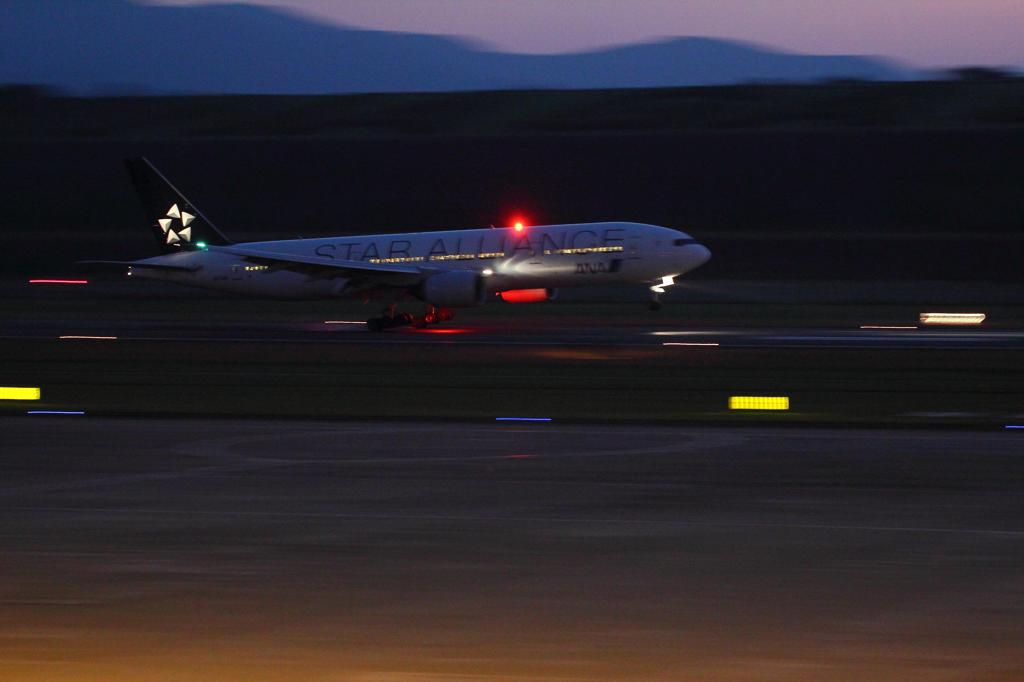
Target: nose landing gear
x=658, y=289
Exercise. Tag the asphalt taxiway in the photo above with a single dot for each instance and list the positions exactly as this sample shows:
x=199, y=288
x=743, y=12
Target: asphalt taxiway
x=572, y=367
x=230, y=550
x=524, y=332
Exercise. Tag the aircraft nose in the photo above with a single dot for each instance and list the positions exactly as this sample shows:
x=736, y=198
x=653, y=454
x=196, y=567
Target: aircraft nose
x=697, y=255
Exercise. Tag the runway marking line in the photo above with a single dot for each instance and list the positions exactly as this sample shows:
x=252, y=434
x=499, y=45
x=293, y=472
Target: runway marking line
x=679, y=343
x=523, y=419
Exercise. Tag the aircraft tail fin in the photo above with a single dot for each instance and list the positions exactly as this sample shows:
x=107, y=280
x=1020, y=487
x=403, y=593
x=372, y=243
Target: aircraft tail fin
x=174, y=221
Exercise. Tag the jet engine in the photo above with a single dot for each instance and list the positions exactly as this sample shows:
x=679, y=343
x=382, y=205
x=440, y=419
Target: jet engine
x=455, y=289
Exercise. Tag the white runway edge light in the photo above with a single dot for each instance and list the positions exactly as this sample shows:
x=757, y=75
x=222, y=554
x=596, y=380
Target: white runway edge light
x=952, y=318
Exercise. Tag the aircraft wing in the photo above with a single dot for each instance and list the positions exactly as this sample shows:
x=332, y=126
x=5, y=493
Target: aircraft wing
x=123, y=264
x=318, y=267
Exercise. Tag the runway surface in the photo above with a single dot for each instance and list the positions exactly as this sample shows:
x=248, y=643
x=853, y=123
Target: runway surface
x=189, y=550
x=522, y=333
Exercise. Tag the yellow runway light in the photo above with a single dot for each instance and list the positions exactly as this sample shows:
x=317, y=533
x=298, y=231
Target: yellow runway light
x=758, y=402
x=952, y=318
x=19, y=393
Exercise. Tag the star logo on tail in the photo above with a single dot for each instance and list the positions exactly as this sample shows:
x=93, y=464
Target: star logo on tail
x=177, y=226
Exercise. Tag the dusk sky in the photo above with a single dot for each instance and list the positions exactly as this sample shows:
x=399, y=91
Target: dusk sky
x=926, y=33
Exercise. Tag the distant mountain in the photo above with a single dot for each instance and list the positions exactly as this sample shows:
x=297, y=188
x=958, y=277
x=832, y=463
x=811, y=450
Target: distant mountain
x=104, y=46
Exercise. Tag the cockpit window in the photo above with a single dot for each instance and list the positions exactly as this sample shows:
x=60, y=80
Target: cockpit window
x=683, y=242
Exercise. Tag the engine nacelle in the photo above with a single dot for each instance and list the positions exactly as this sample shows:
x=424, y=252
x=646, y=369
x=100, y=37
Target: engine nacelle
x=527, y=295
x=455, y=289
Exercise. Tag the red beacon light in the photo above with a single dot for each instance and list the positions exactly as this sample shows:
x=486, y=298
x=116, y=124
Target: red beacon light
x=518, y=224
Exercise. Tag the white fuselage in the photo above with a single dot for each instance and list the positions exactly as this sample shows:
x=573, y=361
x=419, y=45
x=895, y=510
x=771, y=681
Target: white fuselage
x=541, y=256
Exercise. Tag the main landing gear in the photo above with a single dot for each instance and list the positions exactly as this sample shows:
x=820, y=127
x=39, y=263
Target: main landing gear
x=389, y=319
x=433, y=315
x=379, y=324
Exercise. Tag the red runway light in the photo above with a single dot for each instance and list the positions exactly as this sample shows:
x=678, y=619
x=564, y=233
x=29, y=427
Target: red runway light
x=58, y=281
x=443, y=331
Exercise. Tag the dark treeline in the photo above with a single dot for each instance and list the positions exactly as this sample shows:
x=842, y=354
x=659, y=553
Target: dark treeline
x=787, y=202
x=975, y=98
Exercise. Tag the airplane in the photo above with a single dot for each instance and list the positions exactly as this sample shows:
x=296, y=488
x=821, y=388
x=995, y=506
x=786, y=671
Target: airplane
x=444, y=270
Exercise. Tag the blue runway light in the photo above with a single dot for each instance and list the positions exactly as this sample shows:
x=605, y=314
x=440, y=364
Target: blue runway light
x=522, y=419
x=1015, y=426
x=56, y=412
